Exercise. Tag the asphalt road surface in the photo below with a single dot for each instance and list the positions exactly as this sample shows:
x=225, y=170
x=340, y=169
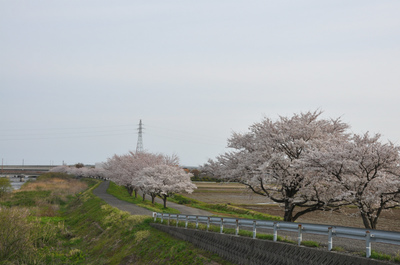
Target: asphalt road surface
x=101, y=191
x=348, y=244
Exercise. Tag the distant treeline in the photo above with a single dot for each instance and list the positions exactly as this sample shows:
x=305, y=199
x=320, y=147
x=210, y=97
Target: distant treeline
x=201, y=176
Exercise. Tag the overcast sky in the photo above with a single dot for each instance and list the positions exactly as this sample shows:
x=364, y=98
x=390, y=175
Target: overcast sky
x=76, y=76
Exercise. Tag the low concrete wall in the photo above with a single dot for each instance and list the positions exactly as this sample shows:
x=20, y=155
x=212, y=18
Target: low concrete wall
x=243, y=250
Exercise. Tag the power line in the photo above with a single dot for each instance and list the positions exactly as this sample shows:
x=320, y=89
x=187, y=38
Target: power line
x=88, y=132
x=65, y=133
x=64, y=137
x=65, y=128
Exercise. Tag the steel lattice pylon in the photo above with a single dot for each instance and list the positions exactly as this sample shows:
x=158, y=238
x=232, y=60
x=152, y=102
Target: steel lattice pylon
x=139, y=146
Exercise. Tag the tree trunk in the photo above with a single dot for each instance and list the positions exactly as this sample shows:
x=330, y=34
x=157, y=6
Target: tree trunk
x=365, y=221
x=374, y=222
x=135, y=193
x=165, y=201
x=288, y=216
x=370, y=220
x=130, y=190
x=144, y=195
x=153, y=198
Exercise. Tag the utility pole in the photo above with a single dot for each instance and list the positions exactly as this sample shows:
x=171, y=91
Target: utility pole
x=139, y=146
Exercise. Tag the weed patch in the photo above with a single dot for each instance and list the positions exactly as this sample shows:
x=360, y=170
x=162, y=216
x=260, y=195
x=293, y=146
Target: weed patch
x=81, y=229
x=312, y=244
x=113, y=236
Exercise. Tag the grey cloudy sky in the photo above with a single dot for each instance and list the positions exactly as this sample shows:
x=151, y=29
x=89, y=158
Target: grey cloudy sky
x=77, y=76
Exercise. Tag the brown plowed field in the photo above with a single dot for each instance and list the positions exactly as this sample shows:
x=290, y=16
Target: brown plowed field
x=237, y=194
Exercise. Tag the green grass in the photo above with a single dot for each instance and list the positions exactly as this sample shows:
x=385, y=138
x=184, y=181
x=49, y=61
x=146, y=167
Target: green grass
x=397, y=258
x=380, y=256
x=25, y=198
x=224, y=209
x=312, y=244
x=338, y=249
x=230, y=231
x=122, y=193
x=86, y=230
x=220, y=190
x=116, y=237
x=29, y=239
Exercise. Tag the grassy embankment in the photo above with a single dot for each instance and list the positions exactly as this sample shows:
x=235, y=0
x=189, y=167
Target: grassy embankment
x=223, y=210
x=232, y=211
x=122, y=193
x=52, y=221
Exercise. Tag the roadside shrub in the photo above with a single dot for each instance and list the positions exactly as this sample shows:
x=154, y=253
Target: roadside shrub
x=5, y=186
x=23, y=237
x=14, y=234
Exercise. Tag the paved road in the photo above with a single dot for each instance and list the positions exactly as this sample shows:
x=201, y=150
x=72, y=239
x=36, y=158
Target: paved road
x=348, y=244
x=182, y=208
x=101, y=191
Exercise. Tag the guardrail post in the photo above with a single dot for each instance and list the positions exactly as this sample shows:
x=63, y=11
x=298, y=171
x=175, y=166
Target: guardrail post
x=368, y=244
x=237, y=227
x=254, y=229
x=299, y=235
x=378, y=236
x=330, y=240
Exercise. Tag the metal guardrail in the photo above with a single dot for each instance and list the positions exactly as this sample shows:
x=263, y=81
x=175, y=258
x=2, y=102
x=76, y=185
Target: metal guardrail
x=330, y=231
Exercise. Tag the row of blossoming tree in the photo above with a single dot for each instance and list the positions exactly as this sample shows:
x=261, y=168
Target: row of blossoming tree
x=307, y=163
x=149, y=173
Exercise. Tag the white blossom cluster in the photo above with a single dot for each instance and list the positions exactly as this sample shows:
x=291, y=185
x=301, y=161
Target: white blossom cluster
x=152, y=174
x=80, y=171
x=306, y=163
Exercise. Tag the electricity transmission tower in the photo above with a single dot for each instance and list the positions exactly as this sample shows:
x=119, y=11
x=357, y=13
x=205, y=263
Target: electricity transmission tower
x=139, y=146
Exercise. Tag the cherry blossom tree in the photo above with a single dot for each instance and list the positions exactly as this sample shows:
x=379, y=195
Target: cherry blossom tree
x=267, y=159
x=71, y=170
x=164, y=181
x=60, y=169
x=124, y=169
x=365, y=170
